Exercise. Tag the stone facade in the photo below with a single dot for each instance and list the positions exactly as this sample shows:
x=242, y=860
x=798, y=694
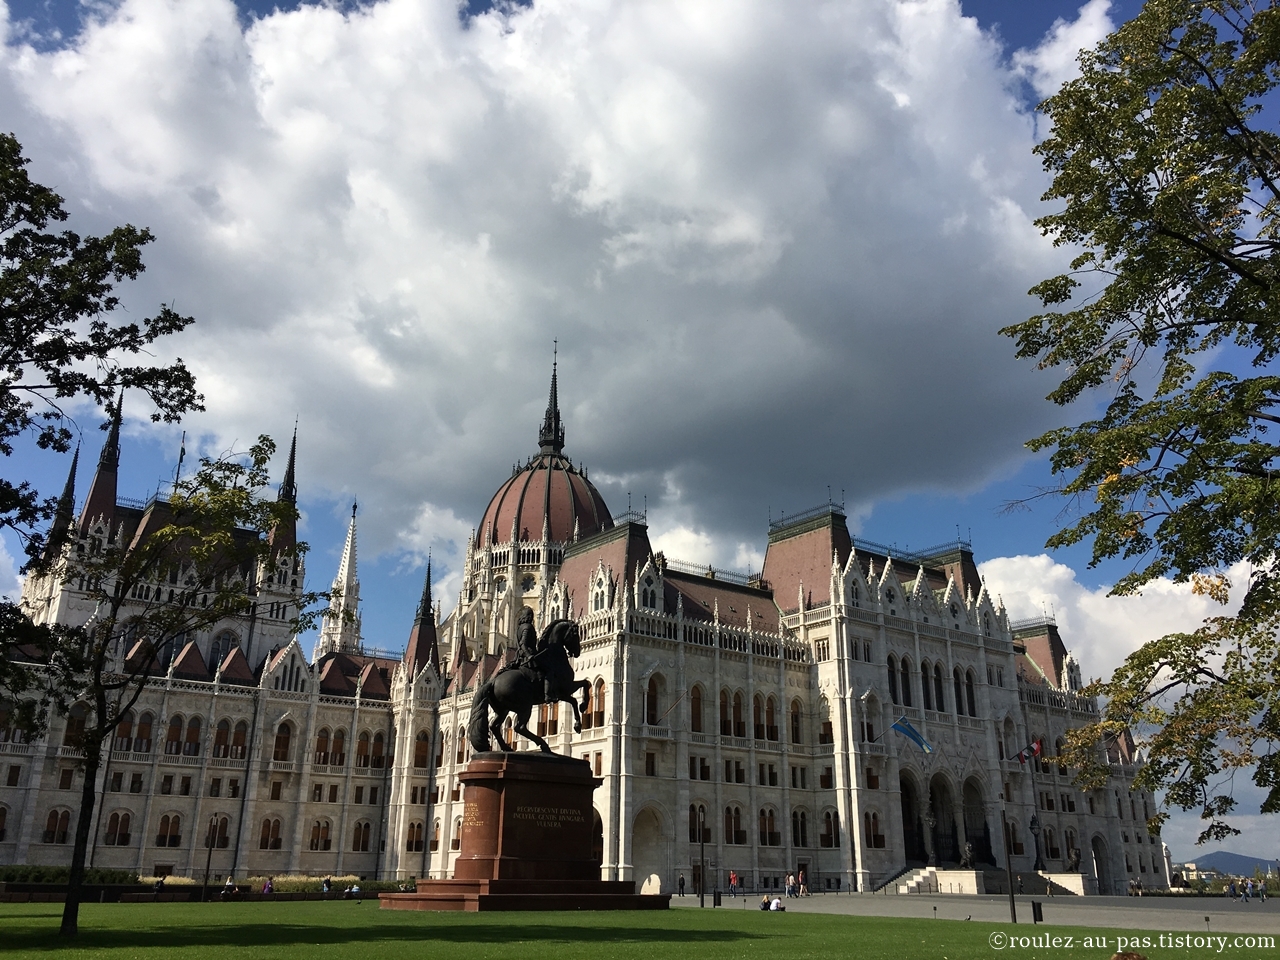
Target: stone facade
x=758, y=708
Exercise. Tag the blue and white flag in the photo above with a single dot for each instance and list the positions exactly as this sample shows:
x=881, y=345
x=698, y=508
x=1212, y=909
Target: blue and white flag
x=904, y=727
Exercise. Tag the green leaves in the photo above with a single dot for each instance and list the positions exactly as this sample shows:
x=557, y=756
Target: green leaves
x=1168, y=181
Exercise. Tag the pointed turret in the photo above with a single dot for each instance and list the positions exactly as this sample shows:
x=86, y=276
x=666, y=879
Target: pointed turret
x=341, y=630
x=423, y=647
x=64, y=515
x=285, y=536
x=101, y=501
x=551, y=436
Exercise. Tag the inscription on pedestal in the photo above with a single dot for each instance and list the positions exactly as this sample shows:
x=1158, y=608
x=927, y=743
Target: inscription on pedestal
x=549, y=817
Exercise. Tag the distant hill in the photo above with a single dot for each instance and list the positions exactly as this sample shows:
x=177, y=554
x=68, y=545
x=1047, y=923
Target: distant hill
x=1233, y=864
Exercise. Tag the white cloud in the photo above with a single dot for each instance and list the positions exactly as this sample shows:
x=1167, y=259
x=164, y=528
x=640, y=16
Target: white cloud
x=1102, y=630
x=775, y=241
x=1051, y=64
x=10, y=579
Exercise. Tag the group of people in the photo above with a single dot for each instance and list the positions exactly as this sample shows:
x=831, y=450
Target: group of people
x=798, y=886
x=1246, y=891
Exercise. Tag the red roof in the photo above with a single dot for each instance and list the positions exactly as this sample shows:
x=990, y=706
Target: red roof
x=548, y=488
x=190, y=664
x=801, y=555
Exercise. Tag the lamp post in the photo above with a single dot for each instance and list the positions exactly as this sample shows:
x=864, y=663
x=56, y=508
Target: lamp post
x=1008, y=865
x=208, y=860
x=1034, y=827
x=702, y=856
x=930, y=821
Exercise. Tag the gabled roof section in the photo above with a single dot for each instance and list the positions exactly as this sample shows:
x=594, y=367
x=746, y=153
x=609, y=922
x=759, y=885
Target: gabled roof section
x=702, y=597
x=621, y=549
x=101, y=501
x=235, y=669
x=424, y=646
x=190, y=665
x=373, y=683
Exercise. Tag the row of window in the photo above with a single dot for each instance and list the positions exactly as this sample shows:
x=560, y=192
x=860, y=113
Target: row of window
x=932, y=688
x=769, y=836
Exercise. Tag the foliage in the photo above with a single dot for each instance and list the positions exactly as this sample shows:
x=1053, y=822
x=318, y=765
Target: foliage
x=49, y=874
x=1168, y=177
x=58, y=346
x=193, y=568
x=297, y=883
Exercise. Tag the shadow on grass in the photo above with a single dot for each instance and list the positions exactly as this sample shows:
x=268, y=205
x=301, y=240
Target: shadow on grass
x=284, y=934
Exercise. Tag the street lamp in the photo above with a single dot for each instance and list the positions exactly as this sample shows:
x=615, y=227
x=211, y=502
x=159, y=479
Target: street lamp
x=702, y=856
x=1034, y=827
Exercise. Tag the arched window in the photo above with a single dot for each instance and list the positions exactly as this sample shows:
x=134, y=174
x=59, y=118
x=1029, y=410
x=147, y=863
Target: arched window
x=170, y=832
x=422, y=749
x=322, y=747
x=893, y=679
x=769, y=835
x=338, y=750
x=362, y=750
x=905, y=675
x=968, y=694
x=216, y=834
x=959, y=691
x=587, y=708
x=771, y=719
x=830, y=830
x=222, y=739
x=173, y=737
x=118, y=830
x=698, y=815
x=269, y=836
x=57, y=826
x=74, y=733
x=695, y=709
x=739, y=724
x=360, y=837
x=192, y=747
x=413, y=843
x=379, y=742
x=940, y=704
x=598, y=703
x=757, y=717
x=873, y=837
x=455, y=842
x=122, y=740
x=926, y=686
x=651, y=702
x=1062, y=767
x=284, y=734
x=733, y=832
x=142, y=735
x=4, y=815
x=435, y=836
x=797, y=729
x=726, y=725
x=799, y=829
x=320, y=839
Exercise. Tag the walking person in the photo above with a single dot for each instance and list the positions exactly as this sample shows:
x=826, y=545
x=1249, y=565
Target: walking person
x=680, y=884
x=1248, y=889
x=803, y=883
x=733, y=884
x=1233, y=894
x=1262, y=892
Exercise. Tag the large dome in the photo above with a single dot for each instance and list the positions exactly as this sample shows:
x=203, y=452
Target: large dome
x=549, y=491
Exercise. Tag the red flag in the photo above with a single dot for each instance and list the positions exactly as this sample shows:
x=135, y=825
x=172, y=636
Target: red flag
x=1036, y=747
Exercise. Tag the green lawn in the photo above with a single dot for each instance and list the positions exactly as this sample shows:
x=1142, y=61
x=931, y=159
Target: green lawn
x=352, y=931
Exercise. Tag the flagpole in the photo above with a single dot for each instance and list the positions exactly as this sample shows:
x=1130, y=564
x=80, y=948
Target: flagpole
x=1008, y=867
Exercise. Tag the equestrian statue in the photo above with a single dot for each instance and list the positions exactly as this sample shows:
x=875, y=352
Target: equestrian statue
x=541, y=674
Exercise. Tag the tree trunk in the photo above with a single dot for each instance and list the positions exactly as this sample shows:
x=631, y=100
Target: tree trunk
x=84, y=825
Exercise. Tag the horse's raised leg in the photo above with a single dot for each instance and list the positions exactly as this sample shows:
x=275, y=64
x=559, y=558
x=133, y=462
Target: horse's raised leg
x=522, y=728
x=577, y=714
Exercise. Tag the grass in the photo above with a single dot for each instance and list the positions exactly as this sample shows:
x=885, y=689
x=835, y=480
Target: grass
x=351, y=931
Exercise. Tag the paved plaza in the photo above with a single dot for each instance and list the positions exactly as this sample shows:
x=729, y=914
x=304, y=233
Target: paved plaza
x=1142, y=913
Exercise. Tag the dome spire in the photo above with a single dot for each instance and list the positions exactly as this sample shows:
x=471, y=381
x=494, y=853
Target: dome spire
x=551, y=436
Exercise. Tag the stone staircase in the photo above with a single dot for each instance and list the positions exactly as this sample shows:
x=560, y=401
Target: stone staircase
x=924, y=880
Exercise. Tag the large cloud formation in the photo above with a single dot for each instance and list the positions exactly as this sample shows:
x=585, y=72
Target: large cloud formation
x=774, y=241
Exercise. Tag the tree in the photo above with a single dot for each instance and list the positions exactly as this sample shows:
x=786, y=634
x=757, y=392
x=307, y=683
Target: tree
x=204, y=551
x=1168, y=180
x=57, y=345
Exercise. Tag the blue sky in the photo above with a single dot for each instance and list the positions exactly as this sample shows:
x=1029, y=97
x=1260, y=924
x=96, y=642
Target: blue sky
x=775, y=248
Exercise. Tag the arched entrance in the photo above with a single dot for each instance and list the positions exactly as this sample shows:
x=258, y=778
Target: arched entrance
x=976, y=829
x=597, y=836
x=649, y=852
x=942, y=805
x=912, y=826
x=1100, y=868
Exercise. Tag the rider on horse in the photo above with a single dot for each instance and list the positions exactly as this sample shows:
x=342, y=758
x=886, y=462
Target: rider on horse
x=527, y=643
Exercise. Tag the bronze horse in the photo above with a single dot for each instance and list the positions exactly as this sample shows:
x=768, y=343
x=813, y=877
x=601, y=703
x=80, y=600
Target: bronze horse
x=516, y=690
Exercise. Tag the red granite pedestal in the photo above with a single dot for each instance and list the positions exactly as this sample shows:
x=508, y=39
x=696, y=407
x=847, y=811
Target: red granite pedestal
x=526, y=843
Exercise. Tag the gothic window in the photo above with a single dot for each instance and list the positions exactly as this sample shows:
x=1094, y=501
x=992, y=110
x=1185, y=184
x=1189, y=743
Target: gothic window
x=598, y=703
x=893, y=679
x=527, y=583
x=269, y=835
x=940, y=703
x=239, y=740
x=739, y=725
x=959, y=691
x=320, y=835
x=796, y=727
x=74, y=733
x=379, y=742
x=360, y=837
x=222, y=740
x=726, y=729
x=283, y=735
x=733, y=832
x=192, y=746
x=422, y=749
x=969, y=694
x=757, y=717
x=362, y=750
x=651, y=702
x=905, y=672
x=695, y=709
x=122, y=741
x=799, y=829
x=173, y=737
x=926, y=695
x=830, y=830
x=57, y=827
x=170, y=832
x=142, y=736
x=118, y=830
x=771, y=719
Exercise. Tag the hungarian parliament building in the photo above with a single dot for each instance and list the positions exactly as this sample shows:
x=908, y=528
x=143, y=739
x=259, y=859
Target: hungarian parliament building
x=735, y=722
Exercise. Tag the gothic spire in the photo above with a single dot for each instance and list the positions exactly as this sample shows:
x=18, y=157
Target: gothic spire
x=62, y=517
x=101, y=501
x=289, y=487
x=424, y=645
x=340, y=632
x=551, y=436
